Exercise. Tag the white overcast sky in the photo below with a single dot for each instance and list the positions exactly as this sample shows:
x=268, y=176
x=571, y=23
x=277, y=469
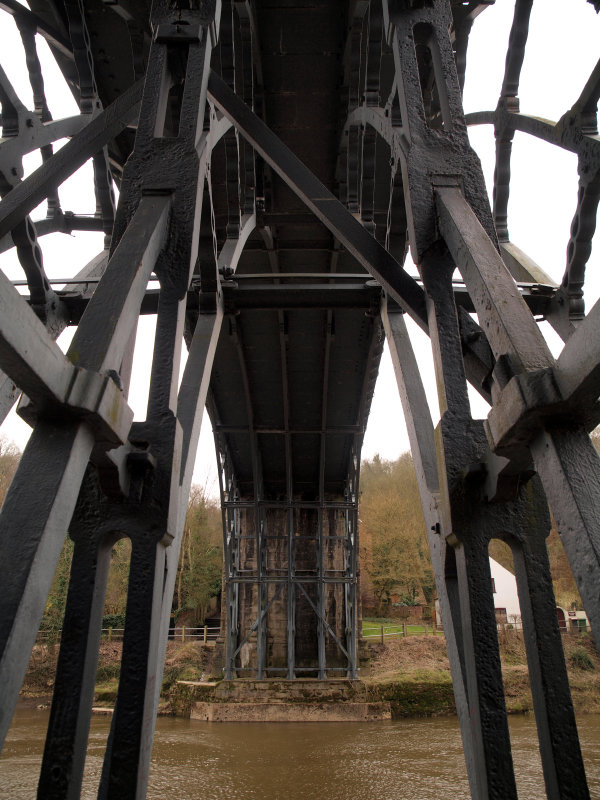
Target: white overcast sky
x=562, y=51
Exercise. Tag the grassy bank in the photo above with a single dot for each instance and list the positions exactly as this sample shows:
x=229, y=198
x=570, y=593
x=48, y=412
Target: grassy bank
x=373, y=629
x=414, y=674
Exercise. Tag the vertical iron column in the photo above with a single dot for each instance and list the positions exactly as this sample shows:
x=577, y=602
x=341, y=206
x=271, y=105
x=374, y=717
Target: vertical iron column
x=231, y=532
x=291, y=571
x=350, y=566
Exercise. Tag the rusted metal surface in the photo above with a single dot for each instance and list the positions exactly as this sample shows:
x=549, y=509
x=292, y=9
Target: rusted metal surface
x=275, y=161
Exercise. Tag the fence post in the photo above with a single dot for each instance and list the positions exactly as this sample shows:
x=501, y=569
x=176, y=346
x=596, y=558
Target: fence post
x=404, y=629
x=109, y=634
x=205, y=634
x=382, y=642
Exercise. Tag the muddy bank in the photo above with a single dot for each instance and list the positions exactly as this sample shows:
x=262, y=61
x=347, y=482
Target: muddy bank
x=412, y=674
x=186, y=661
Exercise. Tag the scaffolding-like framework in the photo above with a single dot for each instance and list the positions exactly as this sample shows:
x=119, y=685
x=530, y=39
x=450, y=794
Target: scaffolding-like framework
x=276, y=567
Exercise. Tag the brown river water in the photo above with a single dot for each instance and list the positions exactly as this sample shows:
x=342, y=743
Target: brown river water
x=418, y=759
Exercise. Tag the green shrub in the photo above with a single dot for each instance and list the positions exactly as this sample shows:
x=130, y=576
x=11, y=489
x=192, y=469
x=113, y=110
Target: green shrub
x=170, y=676
x=580, y=659
x=190, y=673
x=108, y=672
x=114, y=620
x=106, y=692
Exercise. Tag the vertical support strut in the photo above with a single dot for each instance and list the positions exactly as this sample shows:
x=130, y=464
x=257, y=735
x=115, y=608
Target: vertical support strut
x=231, y=547
x=31, y=538
x=350, y=520
x=320, y=604
x=261, y=587
x=66, y=744
x=291, y=551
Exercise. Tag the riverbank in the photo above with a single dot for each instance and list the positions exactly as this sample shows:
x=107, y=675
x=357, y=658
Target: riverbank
x=411, y=674
x=184, y=661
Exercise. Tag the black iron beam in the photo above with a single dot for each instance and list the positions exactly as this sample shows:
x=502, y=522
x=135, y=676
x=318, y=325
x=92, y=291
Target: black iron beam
x=326, y=207
x=34, y=189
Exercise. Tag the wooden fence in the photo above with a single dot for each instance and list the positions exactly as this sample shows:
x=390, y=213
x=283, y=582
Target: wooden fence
x=204, y=634
x=383, y=632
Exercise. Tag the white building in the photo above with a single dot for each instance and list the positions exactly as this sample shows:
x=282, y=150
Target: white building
x=572, y=620
x=506, y=598
x=508, y=610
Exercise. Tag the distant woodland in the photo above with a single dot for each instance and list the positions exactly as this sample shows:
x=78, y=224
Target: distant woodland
x=394, y=557
x=198, y=575
x=395, y=562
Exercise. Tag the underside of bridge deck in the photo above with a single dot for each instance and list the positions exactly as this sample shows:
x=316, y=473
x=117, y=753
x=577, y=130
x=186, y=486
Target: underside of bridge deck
x=276, y=163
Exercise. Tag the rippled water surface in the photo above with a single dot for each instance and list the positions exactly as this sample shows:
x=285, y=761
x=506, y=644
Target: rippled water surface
x=399, y=760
